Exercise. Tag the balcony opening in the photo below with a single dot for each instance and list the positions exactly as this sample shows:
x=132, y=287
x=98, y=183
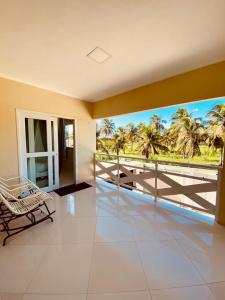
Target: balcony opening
x=173, y=153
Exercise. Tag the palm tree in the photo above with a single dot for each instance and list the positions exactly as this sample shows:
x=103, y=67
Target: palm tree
x=132, y=134
x=216, y=129
x=214, y=141
x=108, y=127
x=180, y=114
x=158, y=123
x=187, y=132
x=99, y=142
x=168, y=138
x=119, y=140
x=98, y=139
x=151, y=140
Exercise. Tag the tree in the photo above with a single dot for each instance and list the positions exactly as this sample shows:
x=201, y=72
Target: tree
x=132, y=134
x=151, y=140
x=187, y=132
x=108, y=127
x=158, y=123
x=180, y=114
x=119, y=140
x=99, y=142
x=216, y=129
x=168, y=138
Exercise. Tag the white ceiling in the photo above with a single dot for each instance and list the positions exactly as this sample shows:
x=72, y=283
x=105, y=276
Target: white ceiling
x=45, y=42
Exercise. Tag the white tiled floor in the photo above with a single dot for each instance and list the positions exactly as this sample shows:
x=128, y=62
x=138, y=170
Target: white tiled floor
x=107, y=244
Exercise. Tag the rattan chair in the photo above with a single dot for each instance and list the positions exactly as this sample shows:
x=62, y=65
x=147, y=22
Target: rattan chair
x=15, y=182
x=13, y=206
x=22, y=190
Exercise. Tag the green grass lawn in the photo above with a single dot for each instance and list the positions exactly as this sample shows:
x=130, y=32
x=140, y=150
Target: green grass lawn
x=207, y=157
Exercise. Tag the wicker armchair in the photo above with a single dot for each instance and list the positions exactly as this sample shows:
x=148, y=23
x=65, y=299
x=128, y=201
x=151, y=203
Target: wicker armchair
x=14, y=205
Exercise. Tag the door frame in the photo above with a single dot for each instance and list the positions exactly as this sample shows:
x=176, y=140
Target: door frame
x=21, y=138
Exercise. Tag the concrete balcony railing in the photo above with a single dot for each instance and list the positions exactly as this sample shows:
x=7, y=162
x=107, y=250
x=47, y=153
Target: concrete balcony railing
x=193, y=186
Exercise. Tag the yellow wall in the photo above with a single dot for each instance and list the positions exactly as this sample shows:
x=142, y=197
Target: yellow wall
x=220, y=212
x=15, y=95
x=204, y=83
x=200, y=84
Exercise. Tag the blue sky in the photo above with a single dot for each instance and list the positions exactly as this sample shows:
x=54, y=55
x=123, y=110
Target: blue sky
x=198, y=109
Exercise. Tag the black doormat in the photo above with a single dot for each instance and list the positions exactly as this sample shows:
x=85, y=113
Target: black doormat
x=69, y=189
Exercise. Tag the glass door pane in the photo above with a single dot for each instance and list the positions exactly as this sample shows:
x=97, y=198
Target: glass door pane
x=37, y=170
x=53, y=135
x=36, y=135
x=38, y=147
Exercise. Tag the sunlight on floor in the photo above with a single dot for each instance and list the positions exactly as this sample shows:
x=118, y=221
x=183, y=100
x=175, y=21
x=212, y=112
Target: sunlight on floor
x=110, y=244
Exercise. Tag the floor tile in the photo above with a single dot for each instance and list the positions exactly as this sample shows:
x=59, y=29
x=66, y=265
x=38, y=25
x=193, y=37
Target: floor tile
x=80, y=230
x=133, y=204
x=149, y=228
x=208, y=257
x=85, y=207
x=67, y=231
x=116, y=267
x=17, y=265
x=120, y=296
x=113, y=229
x=11, y=297
x=137, y=245
x=102, y=186
x=64, y=269
x=186, y=293
x=41, y=234
x=186, y=227
x=107, y=205
x=28, y=236
x=218, y=290
x=166, y=266
x=79, y=204
x=53, y=297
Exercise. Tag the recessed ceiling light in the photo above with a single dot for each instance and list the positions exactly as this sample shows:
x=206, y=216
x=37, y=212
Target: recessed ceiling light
x=99, y=55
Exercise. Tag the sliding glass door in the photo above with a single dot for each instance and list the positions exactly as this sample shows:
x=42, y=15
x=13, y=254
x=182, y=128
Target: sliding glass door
x=38, y=148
